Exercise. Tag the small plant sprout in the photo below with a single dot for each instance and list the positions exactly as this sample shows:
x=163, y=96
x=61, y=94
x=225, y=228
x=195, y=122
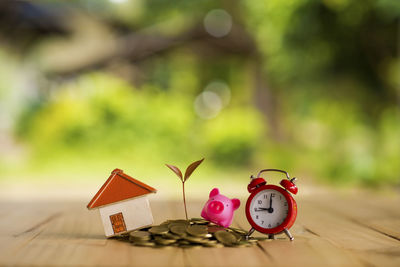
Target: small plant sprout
x=190, y=169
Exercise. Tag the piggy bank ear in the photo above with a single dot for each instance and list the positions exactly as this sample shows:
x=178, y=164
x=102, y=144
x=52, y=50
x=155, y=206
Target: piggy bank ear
x=235, y=203
x=214, y=192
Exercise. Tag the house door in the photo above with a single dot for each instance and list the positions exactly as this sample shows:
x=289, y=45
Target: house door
x=118, y=223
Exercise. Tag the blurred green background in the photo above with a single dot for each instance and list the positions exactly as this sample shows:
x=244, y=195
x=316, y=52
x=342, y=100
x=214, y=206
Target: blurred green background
x=309, y=86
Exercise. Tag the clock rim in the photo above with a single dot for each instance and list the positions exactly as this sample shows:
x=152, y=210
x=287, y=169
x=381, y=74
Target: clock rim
x=290, y=218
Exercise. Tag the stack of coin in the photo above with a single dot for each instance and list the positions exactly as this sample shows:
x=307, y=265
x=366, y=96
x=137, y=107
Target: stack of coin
x=192, y=233
x=140, y=238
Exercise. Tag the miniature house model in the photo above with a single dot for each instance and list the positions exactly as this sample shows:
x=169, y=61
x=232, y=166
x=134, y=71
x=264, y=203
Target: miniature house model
x=123, y=204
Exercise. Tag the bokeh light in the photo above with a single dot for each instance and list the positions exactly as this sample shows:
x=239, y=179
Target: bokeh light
x=118, y=1
x=207, y=105
x=218, y=23
x=220, y=88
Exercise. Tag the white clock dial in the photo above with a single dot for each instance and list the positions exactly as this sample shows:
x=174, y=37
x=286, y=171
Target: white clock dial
x=269, y=208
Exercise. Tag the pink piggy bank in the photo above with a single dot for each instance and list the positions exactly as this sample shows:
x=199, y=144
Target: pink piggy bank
x=219, y=208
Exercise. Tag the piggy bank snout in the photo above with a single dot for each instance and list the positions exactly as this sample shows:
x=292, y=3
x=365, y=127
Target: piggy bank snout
x=216, y=207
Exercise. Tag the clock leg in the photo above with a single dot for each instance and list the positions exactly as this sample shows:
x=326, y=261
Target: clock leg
x=288, y=234
x=271, y=236
x=249, y=233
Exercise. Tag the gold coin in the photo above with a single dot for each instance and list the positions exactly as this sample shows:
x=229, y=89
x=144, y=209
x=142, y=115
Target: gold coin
x=193, y=233
x=179, y=221
x=158, y=230
x=238, y=236
x=226, y=238
x=145, y=244
x=184, y=242
x=237, y=230
x=161, y=241
x=197, y=230
x=171, y=236
x=199, y=221
x=139, y=235
x=197, y=240
x=178, y=229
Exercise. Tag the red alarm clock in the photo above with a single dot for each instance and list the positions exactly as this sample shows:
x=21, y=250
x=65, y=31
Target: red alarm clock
x=271, y=209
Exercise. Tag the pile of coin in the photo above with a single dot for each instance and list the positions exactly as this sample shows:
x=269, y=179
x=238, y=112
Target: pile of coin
x=192, y=233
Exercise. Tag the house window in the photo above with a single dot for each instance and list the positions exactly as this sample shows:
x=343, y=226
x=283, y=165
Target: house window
x=118, y=223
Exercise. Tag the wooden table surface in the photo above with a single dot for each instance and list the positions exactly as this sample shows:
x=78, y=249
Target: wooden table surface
x=331, y=230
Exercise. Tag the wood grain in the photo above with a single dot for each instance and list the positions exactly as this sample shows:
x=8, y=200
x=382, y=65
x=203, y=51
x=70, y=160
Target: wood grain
x=331, y=230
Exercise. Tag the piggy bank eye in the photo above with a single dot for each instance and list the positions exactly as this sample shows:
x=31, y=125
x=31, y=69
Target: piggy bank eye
x=227, y=205
x=212, y=199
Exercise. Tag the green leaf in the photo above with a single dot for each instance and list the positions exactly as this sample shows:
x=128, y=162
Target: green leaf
x=191, y=169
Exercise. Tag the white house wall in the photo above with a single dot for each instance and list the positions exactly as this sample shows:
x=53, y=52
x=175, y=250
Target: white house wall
x=136, y=212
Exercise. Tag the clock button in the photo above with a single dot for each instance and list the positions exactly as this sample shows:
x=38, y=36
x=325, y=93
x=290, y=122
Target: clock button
x=289, y=186
x=256, y=182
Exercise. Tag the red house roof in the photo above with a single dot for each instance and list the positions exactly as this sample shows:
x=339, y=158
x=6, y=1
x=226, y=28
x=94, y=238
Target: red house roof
x=119, y=186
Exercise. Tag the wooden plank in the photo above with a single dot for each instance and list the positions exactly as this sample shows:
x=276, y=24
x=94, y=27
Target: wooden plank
x=251, y=256
x=383, y=257
x=368, y=245
x=340, y=230
x=390, y=227
x=329, y=231
x=18, y=218
x=308, y=249
x=380, y=214
x=20, y=224
x=77, y=238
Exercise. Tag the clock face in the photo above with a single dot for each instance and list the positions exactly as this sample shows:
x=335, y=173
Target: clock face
x=269, y=208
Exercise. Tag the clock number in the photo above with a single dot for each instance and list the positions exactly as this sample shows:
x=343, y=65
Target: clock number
x=260, y=201
x=262, y=222
x=265, y=196
x=272, y=194
x=255, y=209
x=256, y=216
x=269, y=225
x=285, y=204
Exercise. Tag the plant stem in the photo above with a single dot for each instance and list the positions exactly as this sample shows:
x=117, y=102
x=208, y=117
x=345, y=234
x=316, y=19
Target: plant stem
x=184, y=199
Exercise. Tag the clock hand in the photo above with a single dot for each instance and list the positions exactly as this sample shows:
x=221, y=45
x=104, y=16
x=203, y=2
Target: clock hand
x=262, y=209
x=270, y=209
